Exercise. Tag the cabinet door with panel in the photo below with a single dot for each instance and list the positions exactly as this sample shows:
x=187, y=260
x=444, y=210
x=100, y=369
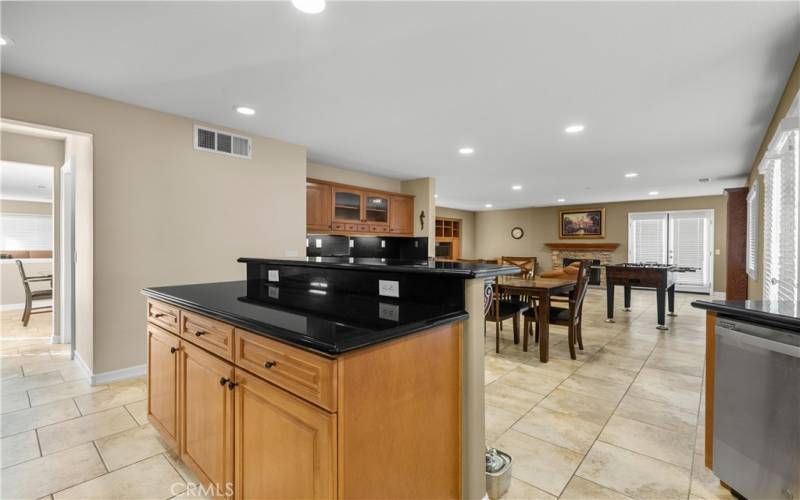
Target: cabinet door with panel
x=348, y=205
x=206, y=415
x=285, y=447
x=318, y=206
x=162, y=383
x=401, y=212
x=376, y=208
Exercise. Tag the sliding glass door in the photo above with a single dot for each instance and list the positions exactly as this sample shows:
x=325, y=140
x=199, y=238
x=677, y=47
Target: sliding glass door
x=682, y=238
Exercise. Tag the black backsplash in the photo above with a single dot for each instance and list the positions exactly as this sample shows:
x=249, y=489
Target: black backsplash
x=326, y=245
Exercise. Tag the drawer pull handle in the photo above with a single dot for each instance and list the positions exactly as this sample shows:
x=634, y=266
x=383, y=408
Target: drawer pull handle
x=173, y=350
x=223, y=381
x=232, y=385
x=159, y=315
x=199, y=333
x=270, y=364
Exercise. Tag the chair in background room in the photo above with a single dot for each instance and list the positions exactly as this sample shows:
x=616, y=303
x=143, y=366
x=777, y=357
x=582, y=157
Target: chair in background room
x=501, y=310
x=34, y=294
x=527, y=264
x=569, y=317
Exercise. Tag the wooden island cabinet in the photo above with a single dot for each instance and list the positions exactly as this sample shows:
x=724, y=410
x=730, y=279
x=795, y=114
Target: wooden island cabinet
x=343, y=209
x=257, y=418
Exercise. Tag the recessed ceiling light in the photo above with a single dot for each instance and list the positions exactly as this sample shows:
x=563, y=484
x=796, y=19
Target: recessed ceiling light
x=561, y=200
x=41, y=186
x=488, y=205
x=4, y=40
x=436, y=196
x=653, y=193
x=631, y=174
x=516, y=187
x=574, y=129
x=309, y=6
x=703, y=179
x=466, y=151
x=244, y=110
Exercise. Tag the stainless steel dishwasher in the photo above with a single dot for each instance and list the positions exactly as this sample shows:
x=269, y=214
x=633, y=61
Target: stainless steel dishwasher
x=757, y=409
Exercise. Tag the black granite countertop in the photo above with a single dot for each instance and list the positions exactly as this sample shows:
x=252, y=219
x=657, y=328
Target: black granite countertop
x=429, y=266
x=782, y=314
x=326, y=322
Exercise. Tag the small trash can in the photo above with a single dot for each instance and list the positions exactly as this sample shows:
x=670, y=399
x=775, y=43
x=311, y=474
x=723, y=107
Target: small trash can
x=498, y=473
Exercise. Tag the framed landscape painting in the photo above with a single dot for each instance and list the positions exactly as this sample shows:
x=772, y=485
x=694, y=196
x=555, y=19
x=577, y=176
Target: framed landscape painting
x=582, y=223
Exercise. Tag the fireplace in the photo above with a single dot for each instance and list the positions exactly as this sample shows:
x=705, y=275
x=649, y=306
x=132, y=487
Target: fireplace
x=600, y=253
x=594, y=272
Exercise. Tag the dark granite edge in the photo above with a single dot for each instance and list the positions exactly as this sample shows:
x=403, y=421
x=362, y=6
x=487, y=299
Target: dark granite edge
x=293, y=338
x=496, y=270
x=740, y=311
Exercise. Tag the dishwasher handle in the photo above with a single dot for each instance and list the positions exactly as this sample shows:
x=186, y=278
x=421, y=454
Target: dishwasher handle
x=760, y=342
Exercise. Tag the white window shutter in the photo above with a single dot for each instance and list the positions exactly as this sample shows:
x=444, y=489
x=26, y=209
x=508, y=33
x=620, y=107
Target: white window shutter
x=26, y=232
x=647, y=237
x=752, y=231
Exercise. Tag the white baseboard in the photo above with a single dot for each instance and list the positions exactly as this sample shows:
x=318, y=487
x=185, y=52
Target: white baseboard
x=57, y=339
x=718, y=295
x=118, y=375
x=83, y=365
x=12, y=307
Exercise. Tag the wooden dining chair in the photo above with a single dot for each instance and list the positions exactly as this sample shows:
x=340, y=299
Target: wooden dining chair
x=527, y=264
x=501, y=310
x=31, y=295
x=570, y=316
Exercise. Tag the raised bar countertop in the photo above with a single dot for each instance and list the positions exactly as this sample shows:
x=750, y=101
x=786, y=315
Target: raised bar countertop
x=330, y=323
x=781, y=314
x=430, y=266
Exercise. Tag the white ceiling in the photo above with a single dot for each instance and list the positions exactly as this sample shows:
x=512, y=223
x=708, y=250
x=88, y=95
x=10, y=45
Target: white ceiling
x=24, y=182
x=672, y=90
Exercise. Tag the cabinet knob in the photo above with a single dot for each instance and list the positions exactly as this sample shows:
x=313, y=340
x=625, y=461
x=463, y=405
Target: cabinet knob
x=198, y=333
x=173, y=350
x=223, y=381
x=232, y=385
x=270, y=364
x=159, y=315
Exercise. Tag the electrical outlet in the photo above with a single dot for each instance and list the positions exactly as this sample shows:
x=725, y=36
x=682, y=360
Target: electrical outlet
x=389, y=312
x=389, y=288
x=352, y=243
x=318, y=242
x=383, y=243
x=272, y=275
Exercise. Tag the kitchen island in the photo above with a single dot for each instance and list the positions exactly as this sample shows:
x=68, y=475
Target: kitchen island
x=325, y=378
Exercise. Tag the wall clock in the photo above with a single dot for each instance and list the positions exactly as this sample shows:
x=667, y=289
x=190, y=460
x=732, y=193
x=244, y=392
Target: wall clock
x=517, y=233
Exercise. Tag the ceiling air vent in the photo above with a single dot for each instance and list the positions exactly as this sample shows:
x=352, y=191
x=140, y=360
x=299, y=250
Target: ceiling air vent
x=208, y=139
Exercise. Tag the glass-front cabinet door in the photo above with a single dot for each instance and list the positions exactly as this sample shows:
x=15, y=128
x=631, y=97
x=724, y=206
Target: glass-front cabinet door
x=377, y=208
x=347, y=205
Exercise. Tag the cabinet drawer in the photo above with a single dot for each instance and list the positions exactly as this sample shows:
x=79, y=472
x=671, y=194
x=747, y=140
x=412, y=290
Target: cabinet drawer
x=163, y=315
x=307, y=375
x=211, y=335
x=336, y=226
x=379, y=229
x=362, y=227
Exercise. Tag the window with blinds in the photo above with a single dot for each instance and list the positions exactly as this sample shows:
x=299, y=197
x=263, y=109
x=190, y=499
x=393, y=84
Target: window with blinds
x=781, y=170
x=647, y=237
x=752, y=231
x=26, y=232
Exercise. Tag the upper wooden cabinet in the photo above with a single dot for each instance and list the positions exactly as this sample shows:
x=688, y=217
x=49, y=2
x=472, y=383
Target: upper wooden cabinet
x=318, y=206
x=341, y=209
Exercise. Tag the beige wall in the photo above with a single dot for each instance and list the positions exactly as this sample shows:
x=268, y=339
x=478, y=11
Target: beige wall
x=26, y=207
x=165, y=213
x=345, y=176
x=424, y=190
x=755, y=287
x=467, y=229
x=493, y=229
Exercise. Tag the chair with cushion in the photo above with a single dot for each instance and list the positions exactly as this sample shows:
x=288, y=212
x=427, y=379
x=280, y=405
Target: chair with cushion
x=569, y=316
x=527, y=264
x=34, y=294
x=566, y=272
x=500, y=310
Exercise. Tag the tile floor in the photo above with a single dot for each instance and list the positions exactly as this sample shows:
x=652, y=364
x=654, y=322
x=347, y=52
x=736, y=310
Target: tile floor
x=623, y=421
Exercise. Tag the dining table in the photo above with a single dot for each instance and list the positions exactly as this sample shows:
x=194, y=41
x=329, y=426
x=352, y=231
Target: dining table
x=542, y=290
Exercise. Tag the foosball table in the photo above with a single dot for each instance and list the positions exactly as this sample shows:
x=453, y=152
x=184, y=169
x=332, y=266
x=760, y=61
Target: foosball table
x=661, y=277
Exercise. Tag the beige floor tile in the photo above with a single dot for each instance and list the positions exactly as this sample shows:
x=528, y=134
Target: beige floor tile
x=111, y=397
x=65, y=390
x=617, y=361
x=530, y=379
x=520, y=490
x=659, y=414
x=601, y=389
x=634, y=475
x=601, y=371
x=18, y=448
x=539, y=463
x=560, y=429
x=139, y=411
x=39, y=416
x=10, y=371
x=67, y=434
x=587, y=408
x=671, y=447
x=583, y=489
x=512, y=399
x=151, y=478
x=686, y=400
x=13, y=401
x=21, y=384
x=670, y=379
x=125, y=448
x=34, y=367
x=42, y=476
x=498, y=421
x=680, y=362
x=186, y=473
x=705, y=484
x=495, y=368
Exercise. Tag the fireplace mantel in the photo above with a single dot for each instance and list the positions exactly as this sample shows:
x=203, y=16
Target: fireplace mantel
x=602, y=247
